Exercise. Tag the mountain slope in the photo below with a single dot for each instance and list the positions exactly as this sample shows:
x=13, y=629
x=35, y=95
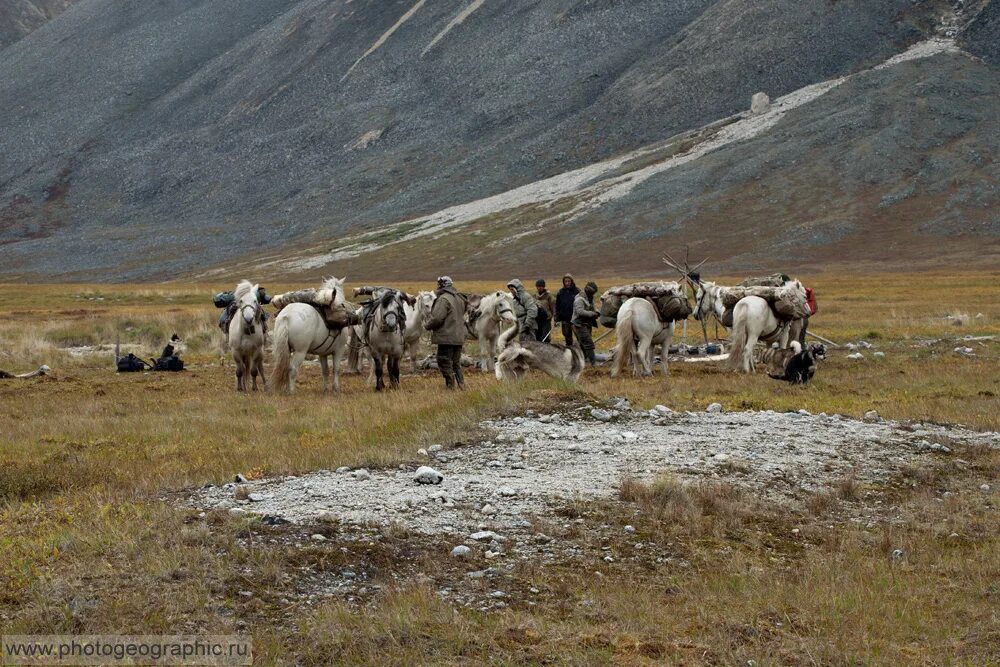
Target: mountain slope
x=20, y=17
x=195, y=132
x=881, y=169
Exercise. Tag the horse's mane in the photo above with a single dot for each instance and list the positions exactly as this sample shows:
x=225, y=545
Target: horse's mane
x=242, y=289
x=489, y=301
x=390, y=296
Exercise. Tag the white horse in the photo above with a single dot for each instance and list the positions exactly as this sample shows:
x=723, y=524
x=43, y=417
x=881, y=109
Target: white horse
x=246, y=336
x=638, y=329
x=299, y=329
x=384, y=335
x=754, y=320
x=708, y=302
x=486, y=318
x=416, y=315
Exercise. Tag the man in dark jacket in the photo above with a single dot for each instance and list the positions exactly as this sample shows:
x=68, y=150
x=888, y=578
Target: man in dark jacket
x=546, y=309
x=525, y=308
x=584, y=319
x=564, y=307
x=447, y=322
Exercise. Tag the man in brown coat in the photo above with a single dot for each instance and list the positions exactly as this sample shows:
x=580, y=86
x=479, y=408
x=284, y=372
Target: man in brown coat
x=546, y=309
x=447, y=323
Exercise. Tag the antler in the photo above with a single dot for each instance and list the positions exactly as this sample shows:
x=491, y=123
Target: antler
x=687, y=270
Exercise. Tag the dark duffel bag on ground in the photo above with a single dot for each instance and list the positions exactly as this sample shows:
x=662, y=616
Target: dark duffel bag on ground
x=169, y=364
x=131, y=364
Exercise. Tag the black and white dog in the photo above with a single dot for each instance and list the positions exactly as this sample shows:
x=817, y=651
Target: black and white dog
x=794, y=364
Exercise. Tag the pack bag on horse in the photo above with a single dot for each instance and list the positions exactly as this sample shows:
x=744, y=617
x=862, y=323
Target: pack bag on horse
x=227, y=302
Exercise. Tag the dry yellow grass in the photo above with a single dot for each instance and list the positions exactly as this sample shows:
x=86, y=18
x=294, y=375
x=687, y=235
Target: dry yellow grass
x=86, y=545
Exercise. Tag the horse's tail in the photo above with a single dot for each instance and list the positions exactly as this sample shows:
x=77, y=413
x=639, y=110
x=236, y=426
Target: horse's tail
x=507, y=336
x=625, y=345
x=282, y=356
x=738, y=340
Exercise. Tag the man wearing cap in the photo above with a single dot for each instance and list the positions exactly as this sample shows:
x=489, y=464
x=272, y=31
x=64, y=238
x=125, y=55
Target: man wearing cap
x=584, y=319
x=447, y=322
x=546, y=309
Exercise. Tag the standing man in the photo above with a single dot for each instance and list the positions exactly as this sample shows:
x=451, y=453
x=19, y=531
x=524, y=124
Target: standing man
x=525, y=308
x=447, y=322
x=546, y=309
x=585, y=319
x=564, y=306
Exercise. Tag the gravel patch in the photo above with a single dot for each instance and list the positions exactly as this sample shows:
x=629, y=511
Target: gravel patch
x=532, y=464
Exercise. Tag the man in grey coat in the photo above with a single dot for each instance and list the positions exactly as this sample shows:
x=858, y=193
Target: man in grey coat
x=526, y=309
x=584, y=319
x=447, y=322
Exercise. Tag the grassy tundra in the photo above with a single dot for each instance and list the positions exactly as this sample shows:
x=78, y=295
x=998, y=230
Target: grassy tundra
x=87, y=458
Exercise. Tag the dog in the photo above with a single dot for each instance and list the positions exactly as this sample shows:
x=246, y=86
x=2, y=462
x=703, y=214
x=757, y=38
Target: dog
x=794, y=364
x=516, y=358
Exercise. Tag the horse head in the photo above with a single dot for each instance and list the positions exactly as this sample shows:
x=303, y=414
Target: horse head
x=337, y=285
x=425, y=302
x=247, y=305
x=499, y=305
x=390, y=314
x=704, y=299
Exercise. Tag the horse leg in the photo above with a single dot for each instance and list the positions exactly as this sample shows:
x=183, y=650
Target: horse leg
x=240, y=370
x=486, y=352
x=259, y=363
x=337, y=357
x=644, y=352
x=394, y=371
x=748, y=363
x=412, y=350
x=665, y=350
x=325, y=367
x=293, y=369
x=377, y=363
